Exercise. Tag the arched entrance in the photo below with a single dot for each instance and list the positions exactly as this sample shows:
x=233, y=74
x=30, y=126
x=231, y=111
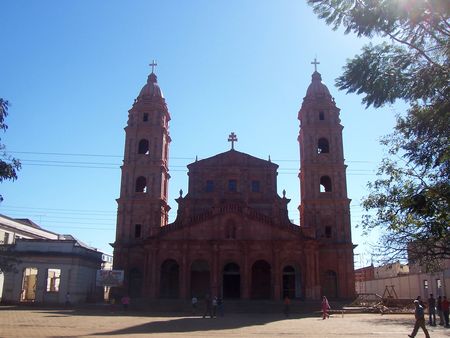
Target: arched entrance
x=261, y=280
x=200, y=279
x=169, y=282
x=329, y=286
x=135, y=283
x=289, y=282
x=231, y=287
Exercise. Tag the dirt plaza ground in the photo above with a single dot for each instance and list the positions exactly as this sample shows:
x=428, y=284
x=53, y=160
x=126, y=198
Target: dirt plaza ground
x=31, y=322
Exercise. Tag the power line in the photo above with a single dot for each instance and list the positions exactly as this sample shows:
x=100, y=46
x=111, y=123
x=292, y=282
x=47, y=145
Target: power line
x=173, y=168
x=81, y=154
x=58, y=209
x=79, y=223
x=173, y=158
x=282, y=171
x=70, y=166
x=80, y=228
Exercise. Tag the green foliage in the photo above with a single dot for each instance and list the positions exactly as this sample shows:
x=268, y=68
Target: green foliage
x=409, y=200
x=8, y=164
x=411, y=204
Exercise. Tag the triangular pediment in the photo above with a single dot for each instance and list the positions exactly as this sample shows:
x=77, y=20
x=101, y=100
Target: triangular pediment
x=232, y=158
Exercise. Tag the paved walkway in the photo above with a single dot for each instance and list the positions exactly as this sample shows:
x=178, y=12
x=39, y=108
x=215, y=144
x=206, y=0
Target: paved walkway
x=20, y=322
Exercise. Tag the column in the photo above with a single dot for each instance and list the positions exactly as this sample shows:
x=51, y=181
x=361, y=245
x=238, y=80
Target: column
x=215, y=270
x=184, y=274
x=154, y=274
x=276, y=273
x=245, y=274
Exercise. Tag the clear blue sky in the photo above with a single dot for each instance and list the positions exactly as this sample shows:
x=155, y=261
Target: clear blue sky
x=71, y=70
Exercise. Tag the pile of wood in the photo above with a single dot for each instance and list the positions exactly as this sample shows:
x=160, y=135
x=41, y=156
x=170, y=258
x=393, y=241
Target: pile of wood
x=372, y=302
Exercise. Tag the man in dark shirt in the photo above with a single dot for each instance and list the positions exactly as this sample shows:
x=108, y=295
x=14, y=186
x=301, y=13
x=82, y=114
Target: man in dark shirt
x=432, y=310
x=420, y=320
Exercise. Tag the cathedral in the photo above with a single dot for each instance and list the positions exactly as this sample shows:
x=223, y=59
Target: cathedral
x=232, y=236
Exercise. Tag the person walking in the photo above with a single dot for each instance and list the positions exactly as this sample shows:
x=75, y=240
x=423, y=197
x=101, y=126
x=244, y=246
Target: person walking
x=220, y=306
x=194, y=302
x=420, y=320
x=445, y=309
x=432, y=310
x=325, y=308
x=207, y=306
x=214, y=307
x=67, y=298
x=125, y=300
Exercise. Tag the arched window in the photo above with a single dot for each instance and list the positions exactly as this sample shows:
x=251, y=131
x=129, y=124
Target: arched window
x=232, y=185
x=137, y=230
x=169, y=279
x=289, y=282
x=143, y=147
x=141, y=184
x=200, y=278
x=209, y=186
x=330, y=284
x=323, y=146
x=261, y=280
x=325, y=184
x=231, y=284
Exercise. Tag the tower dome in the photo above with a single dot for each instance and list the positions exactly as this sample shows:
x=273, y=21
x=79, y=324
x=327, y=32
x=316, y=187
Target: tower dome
x=317, y=88
x=151, y=88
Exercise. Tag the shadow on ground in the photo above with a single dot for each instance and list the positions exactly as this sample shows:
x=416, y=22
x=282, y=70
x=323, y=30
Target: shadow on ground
x=170, y=322
x=390, y=320
x=193, y=324
x=109, y=311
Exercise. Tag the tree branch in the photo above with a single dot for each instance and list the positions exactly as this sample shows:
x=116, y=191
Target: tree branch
x=420, y=51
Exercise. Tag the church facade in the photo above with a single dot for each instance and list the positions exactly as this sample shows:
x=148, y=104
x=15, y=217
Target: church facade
x=232, y=236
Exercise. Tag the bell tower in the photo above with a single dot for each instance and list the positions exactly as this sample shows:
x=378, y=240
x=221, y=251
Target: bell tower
x=324, y=206
x=142, y=205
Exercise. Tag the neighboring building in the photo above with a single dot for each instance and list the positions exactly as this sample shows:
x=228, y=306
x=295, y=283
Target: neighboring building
x=107, y=262
x=232, y=236
x=391, y=270
x=49, y=265
x=362, y=275
x=12, y=229
x=365, y=273
x=405, y=282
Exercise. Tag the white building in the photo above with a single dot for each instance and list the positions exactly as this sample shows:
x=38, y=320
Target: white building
x=12, y=229
x=395, y=281
x=51, y=267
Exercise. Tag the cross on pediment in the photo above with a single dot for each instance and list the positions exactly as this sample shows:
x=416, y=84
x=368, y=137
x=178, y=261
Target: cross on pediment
x=232, y=138
x=153, y=65
x=315, y=63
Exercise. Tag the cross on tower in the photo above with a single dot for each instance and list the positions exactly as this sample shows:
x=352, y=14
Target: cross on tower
x=232, y=138
x=153, y=65
x=315, y=63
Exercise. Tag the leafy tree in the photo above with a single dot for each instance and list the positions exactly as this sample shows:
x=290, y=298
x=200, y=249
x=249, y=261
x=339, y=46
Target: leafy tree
x=8, y=164
x=409, y=200
x=8, y=171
